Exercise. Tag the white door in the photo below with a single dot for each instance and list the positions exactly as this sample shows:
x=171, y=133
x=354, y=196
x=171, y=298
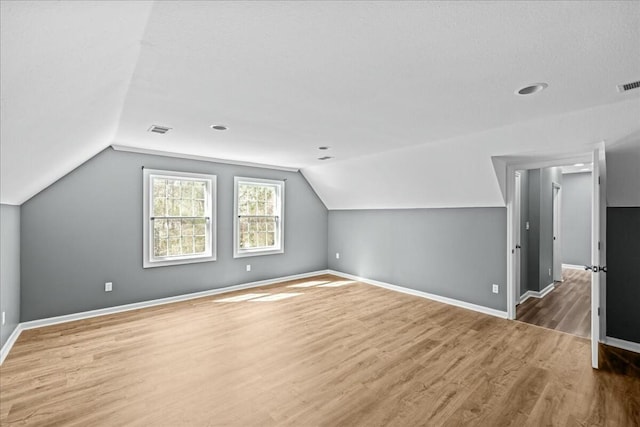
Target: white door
x=557, y=255
x=517, y=225
x=598, y=250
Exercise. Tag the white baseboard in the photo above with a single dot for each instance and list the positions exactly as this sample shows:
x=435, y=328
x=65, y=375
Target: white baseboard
x=625, y=345
x=537, y=294
x=446, y=300
x=8, y=345
x=138, y=305
x=573, y=266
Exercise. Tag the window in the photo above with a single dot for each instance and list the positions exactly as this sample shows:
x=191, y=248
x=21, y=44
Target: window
x=179, y=218
x=258, y=220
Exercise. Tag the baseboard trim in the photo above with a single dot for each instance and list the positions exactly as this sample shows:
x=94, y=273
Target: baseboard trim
x=573, y=266
x=433, y=297
x=8, y=345
x=537, y=294
x=625, y=345
x=143, y=304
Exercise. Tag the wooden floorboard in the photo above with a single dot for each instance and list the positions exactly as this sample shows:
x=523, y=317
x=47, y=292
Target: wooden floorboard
x=348, y=354
x=566, y=308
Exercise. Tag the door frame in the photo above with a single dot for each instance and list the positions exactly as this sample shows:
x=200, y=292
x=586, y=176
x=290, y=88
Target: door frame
x=557, y=231
x=518, y=233
x=535, y=163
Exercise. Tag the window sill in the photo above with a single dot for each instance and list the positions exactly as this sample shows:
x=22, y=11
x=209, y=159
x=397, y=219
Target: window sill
x=250, y=253
x=179, y=261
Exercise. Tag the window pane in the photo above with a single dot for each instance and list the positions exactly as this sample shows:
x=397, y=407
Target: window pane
x=187, y=189
x=198, y=208
x=187, y=227
x=186, y=207
x=160, y=228
x=159, y=206
x=199, y=244
x=160, y=247
x=198, y=190
x=174, y=247
x=199, y=227
x=174, y=227
x=173, y=207
x=187, y=245
x=271, y=239
x=173, y=189
x=159, y=187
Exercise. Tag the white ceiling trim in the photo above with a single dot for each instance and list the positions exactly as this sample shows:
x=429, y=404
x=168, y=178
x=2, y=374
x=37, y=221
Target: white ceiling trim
x=200, y=158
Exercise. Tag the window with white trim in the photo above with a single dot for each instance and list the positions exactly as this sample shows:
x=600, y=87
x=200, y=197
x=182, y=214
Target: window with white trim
x=258, y=217
x=179, y=218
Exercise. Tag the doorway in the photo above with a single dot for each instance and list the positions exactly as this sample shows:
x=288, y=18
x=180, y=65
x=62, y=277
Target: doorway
x=550, y=268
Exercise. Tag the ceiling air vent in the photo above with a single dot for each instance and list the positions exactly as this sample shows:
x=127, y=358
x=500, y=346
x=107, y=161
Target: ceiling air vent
x=159, y=129
x=629, y=86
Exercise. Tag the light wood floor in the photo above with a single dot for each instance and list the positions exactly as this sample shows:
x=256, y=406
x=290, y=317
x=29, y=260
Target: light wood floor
x=567, y=308
x=349, y=355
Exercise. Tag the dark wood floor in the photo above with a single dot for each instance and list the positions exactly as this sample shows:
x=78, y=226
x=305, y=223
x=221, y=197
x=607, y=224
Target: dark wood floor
x=567, y=308
x=314, y=352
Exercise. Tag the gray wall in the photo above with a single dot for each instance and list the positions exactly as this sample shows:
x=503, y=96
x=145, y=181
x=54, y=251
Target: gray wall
x=623, y=274
x=533, y=250
x=456, y=253
x=623, y=173
x=623, y=239
x=576, y=218
x=540, y=250
x=86, y=229
x=9, y=269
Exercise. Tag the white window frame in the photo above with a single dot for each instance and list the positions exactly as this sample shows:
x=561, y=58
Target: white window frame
x=149, y=260
x=279, y=235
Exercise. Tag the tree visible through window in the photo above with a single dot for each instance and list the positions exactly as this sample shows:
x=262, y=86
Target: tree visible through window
x=258, y=223
x=179, y=222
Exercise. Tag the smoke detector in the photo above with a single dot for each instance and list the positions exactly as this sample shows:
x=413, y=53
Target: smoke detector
x=159, y=129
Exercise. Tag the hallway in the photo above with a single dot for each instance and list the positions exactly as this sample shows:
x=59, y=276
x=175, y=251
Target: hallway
x=567, y=308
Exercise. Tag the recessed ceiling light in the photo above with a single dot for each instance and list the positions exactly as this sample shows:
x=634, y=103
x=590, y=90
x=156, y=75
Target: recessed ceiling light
x=528, y=90
x=218, y=127
x=325, y=158
x=578, y=164
x=584, y=169
x=324, y=147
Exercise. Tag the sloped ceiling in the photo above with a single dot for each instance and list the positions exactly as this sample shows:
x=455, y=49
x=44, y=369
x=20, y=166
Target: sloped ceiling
x=413, y=98
x=65, y=70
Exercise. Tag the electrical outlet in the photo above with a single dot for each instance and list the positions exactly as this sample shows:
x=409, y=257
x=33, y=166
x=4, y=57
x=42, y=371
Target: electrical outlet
x=4, y=319
x=496, y=288
x=248, y=267
x=337, y=255
x=526, y=225
x=108, y=287
x=549, y=272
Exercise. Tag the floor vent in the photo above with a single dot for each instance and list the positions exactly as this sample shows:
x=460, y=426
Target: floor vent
x=159, y=129
x=629, y=86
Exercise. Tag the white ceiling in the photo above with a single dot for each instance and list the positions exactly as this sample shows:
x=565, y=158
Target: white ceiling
x=413, y=98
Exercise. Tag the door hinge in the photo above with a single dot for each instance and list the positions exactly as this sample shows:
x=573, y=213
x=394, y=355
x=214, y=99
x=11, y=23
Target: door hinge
x=598, y=311
x=598, y=244
x=598, y=180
